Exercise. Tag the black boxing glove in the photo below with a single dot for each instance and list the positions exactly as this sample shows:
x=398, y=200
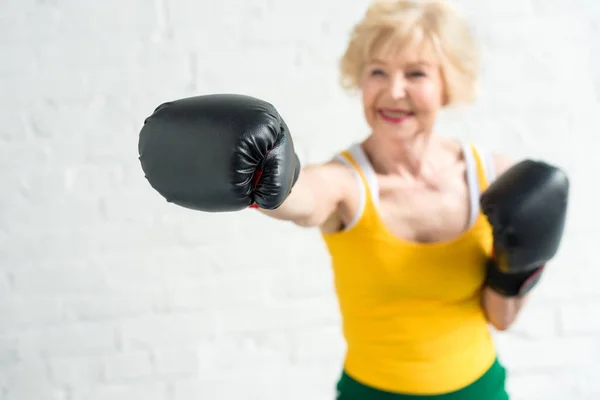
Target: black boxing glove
x=526, y=207
x=219, y=153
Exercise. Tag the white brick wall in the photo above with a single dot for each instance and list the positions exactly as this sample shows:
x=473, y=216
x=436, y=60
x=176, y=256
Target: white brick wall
x=108, y=292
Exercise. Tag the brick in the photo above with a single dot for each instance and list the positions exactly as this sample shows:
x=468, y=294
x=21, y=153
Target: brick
x=20, y=311
x=281, y=316
x=531, y=93
x=175, y=361
x=76, y=370
x=50, y=212
x=57, y=280
x=565, y=280
x=548, y=353
x=21, y=373
x=302, y=280
x=579, y=318
x=239, y=354
x=154, y=271
x=586, y=382
x=22, y=155
x=123, y=391
x=317, y=346
x=130, y=366
x=557, y=384
x=187, y=389
x=580, y=8
x=9, y=353
x=106, y=306
x=152, y=332
x=28, y=379
x=75, y=339
x=37, y=392
x=539, y=32
x=5, y=280
x=323, y=378
x=227, y=291
x=251, y=385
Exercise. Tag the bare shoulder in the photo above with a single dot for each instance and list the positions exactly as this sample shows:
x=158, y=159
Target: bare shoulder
x=502, y=162
x=332, y=179
x=334, y=173
x=341, y=177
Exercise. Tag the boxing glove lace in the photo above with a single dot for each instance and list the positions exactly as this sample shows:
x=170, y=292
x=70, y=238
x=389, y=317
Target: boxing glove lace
x=218, y=153
x=526, y=207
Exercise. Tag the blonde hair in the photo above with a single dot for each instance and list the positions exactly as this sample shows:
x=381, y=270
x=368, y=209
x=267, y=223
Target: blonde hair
x=432, y=23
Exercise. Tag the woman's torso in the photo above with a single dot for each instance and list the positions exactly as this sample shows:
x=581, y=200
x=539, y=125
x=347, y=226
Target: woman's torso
x=408, y=268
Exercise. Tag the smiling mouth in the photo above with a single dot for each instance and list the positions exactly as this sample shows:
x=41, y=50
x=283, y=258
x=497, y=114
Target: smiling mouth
x=395, y=116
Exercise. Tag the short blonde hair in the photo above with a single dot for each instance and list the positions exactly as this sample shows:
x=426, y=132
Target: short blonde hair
x=431, y=23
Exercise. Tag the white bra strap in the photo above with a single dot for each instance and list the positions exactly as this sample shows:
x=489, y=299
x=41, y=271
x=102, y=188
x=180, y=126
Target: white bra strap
x=361, y=192
x=367, y=169
x=472, y=182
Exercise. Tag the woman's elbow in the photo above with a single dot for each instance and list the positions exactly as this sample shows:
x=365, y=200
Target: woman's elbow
x=502, y=320
x=500, y=312
x=501, y=324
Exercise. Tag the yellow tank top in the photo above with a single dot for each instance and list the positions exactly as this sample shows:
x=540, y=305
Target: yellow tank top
x=411, y=312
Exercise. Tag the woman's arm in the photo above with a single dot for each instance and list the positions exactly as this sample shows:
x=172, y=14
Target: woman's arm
x=501, y=311
x=316, y=195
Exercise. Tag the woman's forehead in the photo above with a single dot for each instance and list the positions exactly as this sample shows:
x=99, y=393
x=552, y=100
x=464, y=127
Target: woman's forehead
x=404, y=52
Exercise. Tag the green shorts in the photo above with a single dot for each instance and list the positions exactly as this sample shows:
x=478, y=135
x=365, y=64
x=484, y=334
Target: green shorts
x=491, y=386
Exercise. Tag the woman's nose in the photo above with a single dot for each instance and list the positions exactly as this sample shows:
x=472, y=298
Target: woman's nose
x=398, y=87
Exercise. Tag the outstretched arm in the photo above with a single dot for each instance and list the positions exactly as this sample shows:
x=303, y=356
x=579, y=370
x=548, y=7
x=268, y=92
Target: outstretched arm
x=316, y=196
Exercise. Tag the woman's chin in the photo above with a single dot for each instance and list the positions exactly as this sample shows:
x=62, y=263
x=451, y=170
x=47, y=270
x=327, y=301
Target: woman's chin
x=402, y=133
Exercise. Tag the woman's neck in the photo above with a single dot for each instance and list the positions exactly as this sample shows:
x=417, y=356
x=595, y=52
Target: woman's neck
x=398, y=157
x=415, y=159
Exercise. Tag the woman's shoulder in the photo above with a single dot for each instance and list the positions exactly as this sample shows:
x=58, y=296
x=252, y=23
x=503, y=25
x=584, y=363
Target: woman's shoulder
x=502, y=162
x=495, y=162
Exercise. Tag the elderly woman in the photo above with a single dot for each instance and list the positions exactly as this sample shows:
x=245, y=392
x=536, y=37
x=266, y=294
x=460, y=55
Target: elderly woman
x=421, y=270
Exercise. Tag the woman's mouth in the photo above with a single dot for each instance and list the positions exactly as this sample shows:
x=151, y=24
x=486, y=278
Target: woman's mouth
x=395, y=116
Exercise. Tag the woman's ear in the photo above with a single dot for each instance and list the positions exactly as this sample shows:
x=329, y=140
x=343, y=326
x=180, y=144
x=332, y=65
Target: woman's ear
x=445, y=100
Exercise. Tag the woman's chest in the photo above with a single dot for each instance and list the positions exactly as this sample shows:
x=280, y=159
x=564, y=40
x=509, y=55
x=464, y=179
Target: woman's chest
x=426, y=215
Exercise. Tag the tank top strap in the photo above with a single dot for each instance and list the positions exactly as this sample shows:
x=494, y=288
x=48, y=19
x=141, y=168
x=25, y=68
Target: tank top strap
x=485, y=167
x=365, y=176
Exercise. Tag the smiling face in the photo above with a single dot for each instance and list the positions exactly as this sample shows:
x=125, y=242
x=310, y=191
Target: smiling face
x=402, y=91
x=408, y=59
